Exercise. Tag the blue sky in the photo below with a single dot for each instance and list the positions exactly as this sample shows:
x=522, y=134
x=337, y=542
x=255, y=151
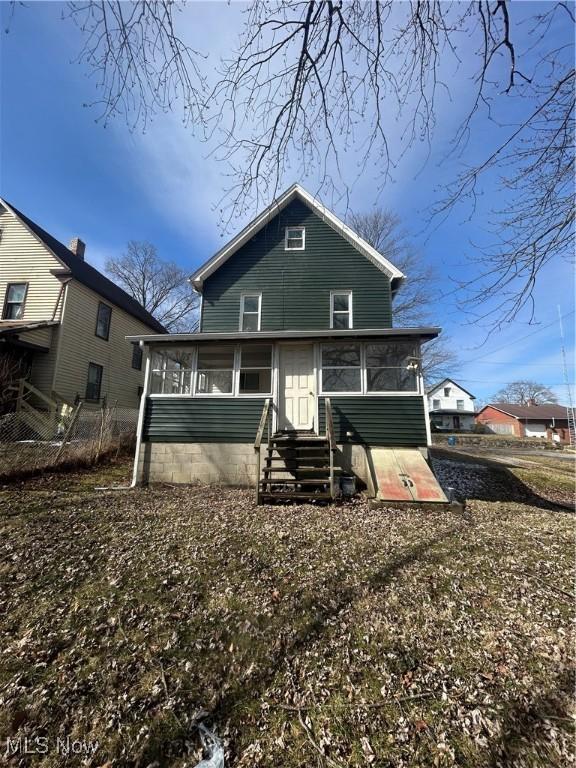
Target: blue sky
x=108, y=185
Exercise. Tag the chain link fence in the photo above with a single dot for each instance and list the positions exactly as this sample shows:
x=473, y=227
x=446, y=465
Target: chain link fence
x=32, y=440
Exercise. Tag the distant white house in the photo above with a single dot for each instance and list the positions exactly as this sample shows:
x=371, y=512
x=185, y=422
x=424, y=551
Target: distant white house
x=451, y=407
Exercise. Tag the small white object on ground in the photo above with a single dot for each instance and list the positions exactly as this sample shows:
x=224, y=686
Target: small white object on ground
x=212, y=743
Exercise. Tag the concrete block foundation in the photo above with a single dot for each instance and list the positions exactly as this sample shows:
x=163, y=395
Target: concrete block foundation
x=231, y=464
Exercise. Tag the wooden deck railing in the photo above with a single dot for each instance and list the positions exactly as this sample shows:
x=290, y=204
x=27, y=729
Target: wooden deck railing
x=331, y=442
x=258, y=441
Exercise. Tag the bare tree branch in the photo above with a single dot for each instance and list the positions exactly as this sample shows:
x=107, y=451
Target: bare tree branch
x=415, y=302
x=525, y=393
x=161, y=287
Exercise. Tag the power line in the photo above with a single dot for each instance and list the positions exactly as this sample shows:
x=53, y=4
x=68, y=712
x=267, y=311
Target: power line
x=515, y=341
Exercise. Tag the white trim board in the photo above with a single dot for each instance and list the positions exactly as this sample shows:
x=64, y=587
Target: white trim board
x=294, y=192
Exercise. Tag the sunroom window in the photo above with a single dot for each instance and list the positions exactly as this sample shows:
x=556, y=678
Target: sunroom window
x=250, y=304
x=390, y=367
x=215, y=370
x=255, y=370
x=171, y=372
x=341, y=309
x=341, y=368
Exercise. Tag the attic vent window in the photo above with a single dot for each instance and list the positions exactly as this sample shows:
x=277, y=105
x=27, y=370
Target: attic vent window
x=294, y=239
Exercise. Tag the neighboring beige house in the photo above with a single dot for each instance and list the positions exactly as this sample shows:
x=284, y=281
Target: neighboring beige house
x=64, y=320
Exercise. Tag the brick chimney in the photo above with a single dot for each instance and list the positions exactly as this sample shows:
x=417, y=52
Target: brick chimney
x=77, y=247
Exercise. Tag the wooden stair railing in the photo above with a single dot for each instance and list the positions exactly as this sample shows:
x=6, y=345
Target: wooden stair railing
x=44, y=411
x=258, y=441
x=331, y=442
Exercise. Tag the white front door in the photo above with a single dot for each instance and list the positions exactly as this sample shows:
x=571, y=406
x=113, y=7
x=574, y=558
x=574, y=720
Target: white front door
x=297, y=395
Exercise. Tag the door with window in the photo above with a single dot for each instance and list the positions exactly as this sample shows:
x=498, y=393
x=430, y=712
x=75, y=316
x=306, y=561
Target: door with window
x=297, y=390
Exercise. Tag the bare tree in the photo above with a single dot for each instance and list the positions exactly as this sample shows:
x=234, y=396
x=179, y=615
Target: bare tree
x=313, y=80
x=161, y=287
x=525, y=393
x=415, y=302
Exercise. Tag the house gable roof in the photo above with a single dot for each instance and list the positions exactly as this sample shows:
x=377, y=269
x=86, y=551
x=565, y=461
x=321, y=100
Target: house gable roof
x=530, y=412
x=85, y=273
x=440, y=384
x=296, y=192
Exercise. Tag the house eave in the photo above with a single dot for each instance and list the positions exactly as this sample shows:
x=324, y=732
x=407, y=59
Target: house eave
x=421, y=333
x=208, y=268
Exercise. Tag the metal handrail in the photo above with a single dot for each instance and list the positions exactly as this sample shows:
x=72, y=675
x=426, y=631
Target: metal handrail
x=257, y=442
x=331, y=441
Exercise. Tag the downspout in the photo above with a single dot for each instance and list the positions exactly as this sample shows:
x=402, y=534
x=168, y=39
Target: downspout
x=64, y=291
x=425, y=401
x=141, y=413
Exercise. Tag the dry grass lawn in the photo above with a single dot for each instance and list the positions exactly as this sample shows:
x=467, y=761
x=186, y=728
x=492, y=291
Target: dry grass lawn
x=311, y=636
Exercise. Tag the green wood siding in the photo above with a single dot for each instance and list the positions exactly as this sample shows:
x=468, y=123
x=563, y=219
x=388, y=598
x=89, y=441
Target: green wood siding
x=296, y=285
x=202, y=420
x=377, y=420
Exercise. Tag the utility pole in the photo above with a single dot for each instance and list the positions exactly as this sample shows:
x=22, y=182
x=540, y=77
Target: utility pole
x=571, y=419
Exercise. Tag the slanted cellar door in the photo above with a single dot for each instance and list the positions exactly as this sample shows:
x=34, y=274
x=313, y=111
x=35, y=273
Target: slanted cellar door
x=402, y=474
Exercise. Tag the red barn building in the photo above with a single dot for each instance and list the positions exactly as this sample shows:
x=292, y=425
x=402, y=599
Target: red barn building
x=545, y=421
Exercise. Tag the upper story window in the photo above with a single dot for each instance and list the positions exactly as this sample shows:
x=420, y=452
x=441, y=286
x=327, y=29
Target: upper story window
x=250, y=311
x=94, y=381
x=435, y=405
x=341, y=309
x=136, y=356
x=294, y=239
x=447, y=391
x=460, y=405
x=103, y=321
x=14, y=302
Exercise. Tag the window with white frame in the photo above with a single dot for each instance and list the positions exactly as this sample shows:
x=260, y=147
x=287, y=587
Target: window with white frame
x=460, y=405
x=250, y=311
x=341, y=368
x=447, y=391
x=294, y=239
x=391, y=367
x=341, y=309
x=436, y=405
x=215, y=372
x=255, y=370
x=171, y=371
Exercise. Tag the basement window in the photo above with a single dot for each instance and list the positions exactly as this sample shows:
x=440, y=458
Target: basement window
x=294, y=239
x=171, y=372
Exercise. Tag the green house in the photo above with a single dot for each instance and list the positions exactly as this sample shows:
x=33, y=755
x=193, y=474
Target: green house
x=297, y=373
